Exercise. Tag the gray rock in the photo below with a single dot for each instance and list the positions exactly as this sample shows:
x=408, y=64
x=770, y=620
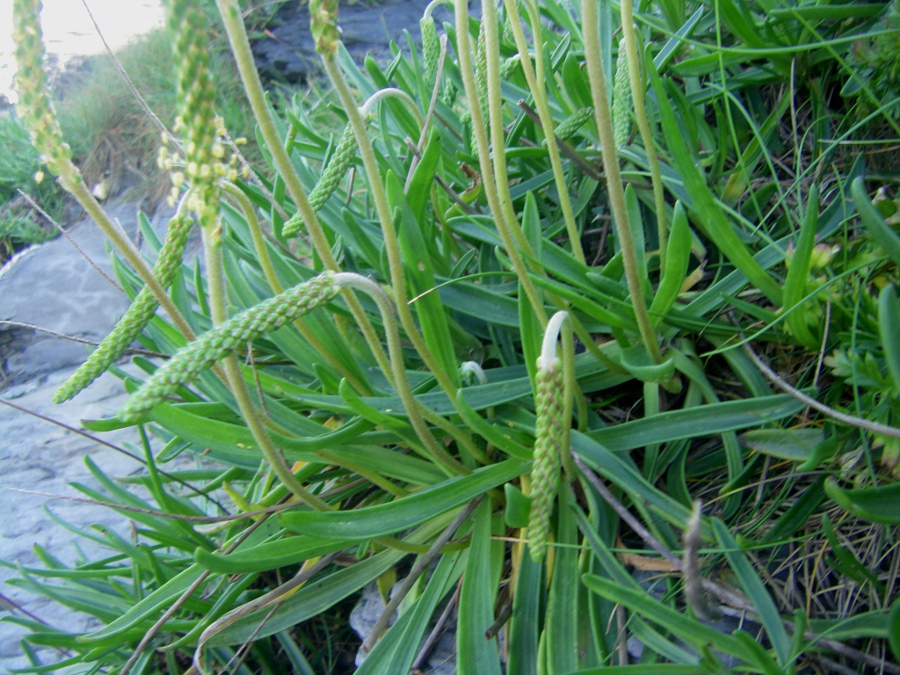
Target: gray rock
x=289, y=55
x=441, y=659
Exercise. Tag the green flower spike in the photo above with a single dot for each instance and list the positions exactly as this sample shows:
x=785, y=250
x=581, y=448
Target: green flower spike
x=551, y=437
x=224, y=339
x=337, y=166
x=431, y=50
x=481, y=78
x=570, y=126
x=323, y=16
x=196, y=114
x=621, y=108
x=34, y=107
x=136, y=318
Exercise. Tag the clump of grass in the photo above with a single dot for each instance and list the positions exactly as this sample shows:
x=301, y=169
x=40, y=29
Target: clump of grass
x=19, y=170
x=112, y=136
x=749, y=268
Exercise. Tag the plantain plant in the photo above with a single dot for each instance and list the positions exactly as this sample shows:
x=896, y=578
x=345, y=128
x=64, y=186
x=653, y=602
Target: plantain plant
x=479, y=316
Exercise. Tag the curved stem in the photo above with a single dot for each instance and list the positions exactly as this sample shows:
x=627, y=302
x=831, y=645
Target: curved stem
x=613, y=177
x=392, y=247
x=126, y=247
x=391, y=92
x=240, y=47
x=262, y=254
x=640, y=114
x=211, y=246
x=401, y=383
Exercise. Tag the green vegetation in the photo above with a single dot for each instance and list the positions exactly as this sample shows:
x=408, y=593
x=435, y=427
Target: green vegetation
x=513, y=368
x=113, y=140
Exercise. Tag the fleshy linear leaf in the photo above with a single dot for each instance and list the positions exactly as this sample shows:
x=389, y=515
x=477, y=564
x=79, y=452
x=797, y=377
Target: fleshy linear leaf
x=708, y=420
x=756, y=592
x=687, y=628
x=366, y=523
x=476, y=653
x=875, y=504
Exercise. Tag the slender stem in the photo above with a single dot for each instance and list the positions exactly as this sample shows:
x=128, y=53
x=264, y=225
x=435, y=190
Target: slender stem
x=401, y=383
x=640, y=113
x=211, y=245
x=392, y=92
x=391, y=244
x=129, y=251
x=613, y=177
x=240, y=47
x=495, y=119
x=858, y=422
x=463, y=49
x=535, y=78
x=262, y=254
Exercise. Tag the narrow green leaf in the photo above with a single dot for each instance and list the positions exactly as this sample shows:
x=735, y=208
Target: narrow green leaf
x=798, y=274
x=881, y=233
x=268, y=556
x=687, y=628
x=875, y=504
x=889, y=331
x=147, y=609
x=710, y=213
x=757, y=594
x=526, y=618
x=363, y=524
x=678, y=256
x=562, y=620
x=476, y=654
x=417, y=264
x=706, y=420
x=796, y=445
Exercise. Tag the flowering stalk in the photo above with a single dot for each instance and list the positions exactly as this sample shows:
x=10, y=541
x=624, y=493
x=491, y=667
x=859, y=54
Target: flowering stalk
x=337, y=166
x=139, y=313
x=551, y=439
x=431, y=47
x=36, y=111
x=323, y=23
x=535, y=78
x=265, y=262
x=225, y=338
x=629, y=38
x=573, y=123
x=621, y=110
x=230, y=12
x=614, y=187
x=514, y=242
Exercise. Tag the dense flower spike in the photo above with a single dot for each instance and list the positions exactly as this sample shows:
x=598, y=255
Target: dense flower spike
x=222, y=340
x=431, y=50
x=35, y=108
x=621, y=108
x=196, y=114
x=323, y=24
x=337, y=166
x=545, y=473
x=570, y=126
x=136, y=318
x=551, y=439
x=481, y=78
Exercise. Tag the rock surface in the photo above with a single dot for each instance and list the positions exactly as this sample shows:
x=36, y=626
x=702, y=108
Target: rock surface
x=53, y=287
x=289, y=55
